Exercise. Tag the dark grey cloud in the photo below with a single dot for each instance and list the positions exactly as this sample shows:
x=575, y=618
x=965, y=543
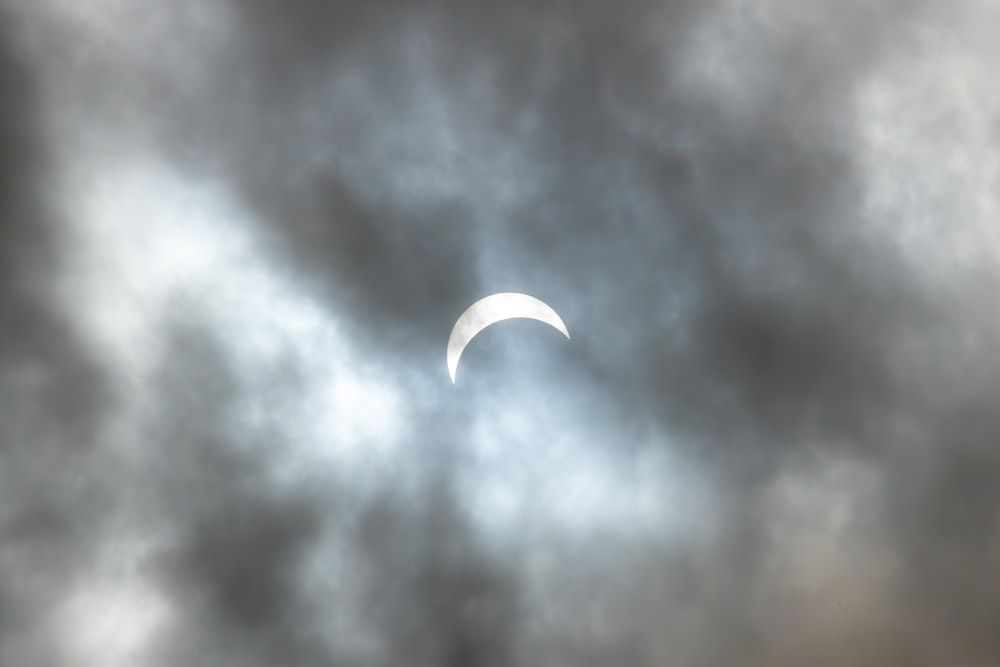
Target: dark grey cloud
x=52, y=392
x=769, y=442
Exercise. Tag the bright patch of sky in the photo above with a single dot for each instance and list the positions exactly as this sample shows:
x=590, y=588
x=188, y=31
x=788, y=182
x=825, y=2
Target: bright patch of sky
x=152, y=249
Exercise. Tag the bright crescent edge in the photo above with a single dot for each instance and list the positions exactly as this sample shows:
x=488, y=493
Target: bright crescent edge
x=492, y=309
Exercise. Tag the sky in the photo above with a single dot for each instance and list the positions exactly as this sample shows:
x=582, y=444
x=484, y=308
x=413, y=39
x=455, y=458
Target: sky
x=235, y=237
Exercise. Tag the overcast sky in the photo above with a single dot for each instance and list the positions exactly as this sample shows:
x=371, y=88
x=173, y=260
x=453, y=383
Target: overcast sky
x=234, y=238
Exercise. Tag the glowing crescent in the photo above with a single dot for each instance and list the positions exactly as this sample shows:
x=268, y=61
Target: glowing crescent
x=492, y=309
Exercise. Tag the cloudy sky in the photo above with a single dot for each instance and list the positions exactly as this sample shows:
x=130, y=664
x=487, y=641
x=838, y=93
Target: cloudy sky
x=234, y=238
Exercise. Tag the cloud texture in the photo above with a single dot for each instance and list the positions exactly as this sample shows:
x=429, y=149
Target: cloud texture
x=234, y=237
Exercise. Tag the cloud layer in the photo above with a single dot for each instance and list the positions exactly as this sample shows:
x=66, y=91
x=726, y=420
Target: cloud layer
x=235, y=237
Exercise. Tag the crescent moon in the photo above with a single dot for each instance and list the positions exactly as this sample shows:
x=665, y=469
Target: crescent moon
x=493, y=309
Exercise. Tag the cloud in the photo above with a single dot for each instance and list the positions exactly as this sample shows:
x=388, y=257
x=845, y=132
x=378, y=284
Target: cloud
x=768, y=228
x=53, y=392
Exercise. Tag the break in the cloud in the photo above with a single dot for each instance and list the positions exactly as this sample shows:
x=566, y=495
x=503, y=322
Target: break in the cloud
x=236, y=235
